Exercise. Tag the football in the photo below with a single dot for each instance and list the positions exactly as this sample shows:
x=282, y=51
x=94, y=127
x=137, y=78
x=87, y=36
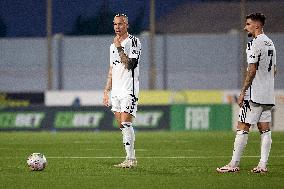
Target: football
x=36, y=162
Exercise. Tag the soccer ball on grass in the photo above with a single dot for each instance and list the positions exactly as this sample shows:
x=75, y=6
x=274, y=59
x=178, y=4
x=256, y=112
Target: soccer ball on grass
x=36, y=162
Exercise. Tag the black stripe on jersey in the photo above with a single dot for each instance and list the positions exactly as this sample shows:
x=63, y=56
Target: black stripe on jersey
x=270, y=53
x=133, y=73
x=134, y=42
x=258, y=60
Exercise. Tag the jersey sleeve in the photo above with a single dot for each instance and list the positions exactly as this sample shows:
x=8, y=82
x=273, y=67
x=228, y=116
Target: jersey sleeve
x=135, y=48
x=253, y=53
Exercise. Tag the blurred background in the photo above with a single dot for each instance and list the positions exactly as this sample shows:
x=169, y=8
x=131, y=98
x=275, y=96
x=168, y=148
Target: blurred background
x=54, y=58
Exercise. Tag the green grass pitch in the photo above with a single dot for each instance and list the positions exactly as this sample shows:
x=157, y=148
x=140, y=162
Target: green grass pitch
x=165, y=160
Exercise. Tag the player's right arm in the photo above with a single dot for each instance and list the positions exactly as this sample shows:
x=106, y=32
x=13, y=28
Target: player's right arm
x=247, y=83
x=129, y=61
x=108, y=88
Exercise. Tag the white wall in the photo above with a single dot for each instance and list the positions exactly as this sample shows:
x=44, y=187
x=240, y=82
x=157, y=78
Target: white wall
x=196, y=61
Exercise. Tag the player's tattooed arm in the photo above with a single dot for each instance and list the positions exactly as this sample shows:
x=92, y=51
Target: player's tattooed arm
x=129, y=63
x=109, y=81
x=249, y=77
x=247, y=83
x=108, y=88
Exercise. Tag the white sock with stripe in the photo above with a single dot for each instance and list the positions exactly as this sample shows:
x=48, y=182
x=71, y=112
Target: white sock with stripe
x=265, y=147
x=128, y=137
x=239, y=146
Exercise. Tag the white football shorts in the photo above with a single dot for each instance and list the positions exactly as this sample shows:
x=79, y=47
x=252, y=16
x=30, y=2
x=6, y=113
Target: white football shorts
x=124, y=104
x=254, y=113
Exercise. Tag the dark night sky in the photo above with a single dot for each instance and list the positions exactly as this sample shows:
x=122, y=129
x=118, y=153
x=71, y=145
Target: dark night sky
x=28, y=17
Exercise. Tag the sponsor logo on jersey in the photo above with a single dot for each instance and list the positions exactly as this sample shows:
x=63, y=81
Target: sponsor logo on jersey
x=135, y=52
x=267, y=43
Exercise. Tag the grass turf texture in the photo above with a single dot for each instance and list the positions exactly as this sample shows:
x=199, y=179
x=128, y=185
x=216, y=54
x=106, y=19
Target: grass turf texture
x=165, y=160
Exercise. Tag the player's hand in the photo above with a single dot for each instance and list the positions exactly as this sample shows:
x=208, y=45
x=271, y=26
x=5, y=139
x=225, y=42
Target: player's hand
x=241, y=100
x=117, y=41
x=106, y=99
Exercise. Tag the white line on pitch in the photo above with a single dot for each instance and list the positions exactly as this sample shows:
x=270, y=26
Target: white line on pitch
x=145, y=157
x=153, y=157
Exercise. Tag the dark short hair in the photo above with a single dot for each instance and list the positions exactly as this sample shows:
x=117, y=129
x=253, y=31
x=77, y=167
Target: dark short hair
x=257, y=17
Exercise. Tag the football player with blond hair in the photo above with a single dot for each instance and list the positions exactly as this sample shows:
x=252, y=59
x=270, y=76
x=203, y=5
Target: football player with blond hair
x=122, y=87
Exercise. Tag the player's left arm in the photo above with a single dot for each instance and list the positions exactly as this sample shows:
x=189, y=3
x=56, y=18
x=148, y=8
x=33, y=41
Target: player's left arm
x=274, y=60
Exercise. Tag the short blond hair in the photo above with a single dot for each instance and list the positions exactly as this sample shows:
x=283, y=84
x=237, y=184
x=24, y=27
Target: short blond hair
x=125, y=18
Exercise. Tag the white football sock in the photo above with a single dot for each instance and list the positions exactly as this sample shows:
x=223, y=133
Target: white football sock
x=265, y=147
x=128, y=137
x=239, y=146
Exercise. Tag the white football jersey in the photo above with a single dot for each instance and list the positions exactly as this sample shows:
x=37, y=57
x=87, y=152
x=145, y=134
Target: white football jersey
x=261, y=51
x=125, y=82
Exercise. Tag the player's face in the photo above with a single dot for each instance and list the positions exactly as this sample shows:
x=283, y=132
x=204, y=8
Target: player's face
x=250, y=27
x=120, y=26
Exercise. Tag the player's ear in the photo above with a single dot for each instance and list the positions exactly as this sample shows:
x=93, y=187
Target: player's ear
x=257, y=25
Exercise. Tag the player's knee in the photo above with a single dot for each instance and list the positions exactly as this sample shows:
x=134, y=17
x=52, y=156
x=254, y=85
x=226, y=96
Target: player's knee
x=243, y=126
